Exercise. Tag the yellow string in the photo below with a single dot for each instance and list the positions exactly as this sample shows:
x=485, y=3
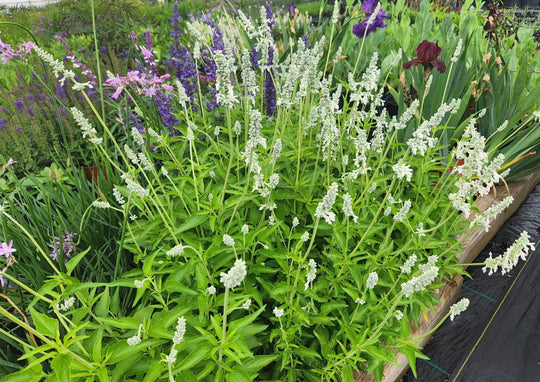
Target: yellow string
x=492, y=317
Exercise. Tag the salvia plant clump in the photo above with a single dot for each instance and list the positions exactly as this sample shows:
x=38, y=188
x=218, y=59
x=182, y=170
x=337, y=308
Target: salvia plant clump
x=282, y=225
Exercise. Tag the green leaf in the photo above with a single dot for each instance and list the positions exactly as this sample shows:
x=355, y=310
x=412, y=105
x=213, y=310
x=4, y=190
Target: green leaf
x=121, y=323
x=61, y=364
x=102, y=308
x=201, y=352
x=121, y=350
x=44, y=324
x=72, y=263
x=26, y=375
x=237, y=376
x=191, y=222
x=255, y=364
x=154, y=372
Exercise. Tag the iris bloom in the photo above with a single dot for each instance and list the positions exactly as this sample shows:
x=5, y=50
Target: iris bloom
x=363, y=29
x=426, y=54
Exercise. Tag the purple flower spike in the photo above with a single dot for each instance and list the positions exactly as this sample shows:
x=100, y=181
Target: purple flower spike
x=2, y=281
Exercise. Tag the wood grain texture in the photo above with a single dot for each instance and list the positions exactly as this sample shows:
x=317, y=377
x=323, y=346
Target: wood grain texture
x=472, y=245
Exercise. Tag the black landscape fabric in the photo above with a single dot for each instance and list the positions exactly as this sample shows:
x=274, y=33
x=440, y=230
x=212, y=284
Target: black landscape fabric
x=483, y=344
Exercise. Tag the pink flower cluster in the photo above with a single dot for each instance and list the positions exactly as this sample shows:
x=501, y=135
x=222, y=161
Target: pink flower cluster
x=7, y=53
x=142, y=83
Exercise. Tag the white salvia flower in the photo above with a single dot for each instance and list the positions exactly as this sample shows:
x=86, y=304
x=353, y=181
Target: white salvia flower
x=459, y=307
x=399, y=315
x=237, y=128
x=210, y=197
x=402, y=170
x=397, y=58
x=67, y=304
x=508, y=260
x=171, y=358
x=190, y=136
x=224, y=88
x=217, y=131
x=211, y=289
x=487, y=216
x=118, y=196
x=503, y=126
x=132, y=217
x=132, y=341
x=245, y=229
x=249, y=80
x=164, y=171
x=359, y=301
x=180, y=330
x=96, y=141
x=235, y=276
x=154, y=135
x=295, y=222
x=228, y=240
x=409, y=263
x=84, y=124
x=324, y=208
x=276, y=150
x=271, y=220
x=387, y=211
x=278, y=312
x=405, y=117
x=246, y=304
x=372, y=280
x=136, y=187
x=273, y=181
x=372, y=188
x=56, y=66
x=305, y=236
x=429, y=273
x=131, y=155
x=536, y=115
x=457, y=52
x=347, y=207
x=335, y=13
x=101, y=204
x=135, y=340
x=183, y=98
x=247, y=24
x=212, y=174
x=79, y=86
x=310, y=277
x=145, y=162
x=420, y=230
x=177, y=250
x=137, y=136
x=138, y=283
x=403, y=211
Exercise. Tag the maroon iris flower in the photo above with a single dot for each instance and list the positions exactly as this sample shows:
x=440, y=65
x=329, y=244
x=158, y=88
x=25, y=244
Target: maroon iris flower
x=426, y=54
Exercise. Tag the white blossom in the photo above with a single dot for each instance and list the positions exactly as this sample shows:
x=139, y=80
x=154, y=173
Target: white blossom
x=347, y=207
x=409, y=263
x=305, y=236
x=138, y=283
x=245, y=229
x=324, y=208
x=177, y=250
x=403, y=211
x=180, y=330
x=101, y=204
x=278, y=312
x=246, y=304
x=228, y=240
x=372, y=280
x=402, y=170
x=67, y=304
x=235, y=276
x=458, y=307
x=429, y=273
x=211, y=289
x=508, y=260
x=310, y=277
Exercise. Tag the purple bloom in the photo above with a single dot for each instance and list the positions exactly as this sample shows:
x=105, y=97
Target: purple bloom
x=269, y=16
x=426, y=54
x=7, y=249
x=292, y=10
x=363, y=28
x=66, y=245
x=269, y=87
x=174, y=22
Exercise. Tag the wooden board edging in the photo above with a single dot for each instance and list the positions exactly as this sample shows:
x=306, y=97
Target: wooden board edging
x=472, y=245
